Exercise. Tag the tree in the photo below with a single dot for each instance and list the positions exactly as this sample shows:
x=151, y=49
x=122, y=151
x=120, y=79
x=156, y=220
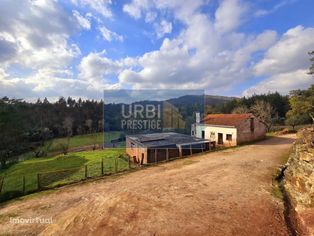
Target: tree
x=264, y=112
x=67, y=126
x=302, y=106
x=14, y=124
x=240, y=110
x=89, y=125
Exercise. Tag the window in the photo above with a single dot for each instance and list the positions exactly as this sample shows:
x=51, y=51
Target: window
x=229, y=137
x=212, y=135
x=252, y=124
x=192, y=133
x=203, y=133
x=132, y=145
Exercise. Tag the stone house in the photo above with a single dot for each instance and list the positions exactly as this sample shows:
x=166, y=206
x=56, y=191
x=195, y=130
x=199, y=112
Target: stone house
x=229, y=129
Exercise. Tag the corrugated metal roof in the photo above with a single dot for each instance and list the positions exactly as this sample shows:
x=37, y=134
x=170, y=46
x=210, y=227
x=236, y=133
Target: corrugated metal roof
x=164, y=139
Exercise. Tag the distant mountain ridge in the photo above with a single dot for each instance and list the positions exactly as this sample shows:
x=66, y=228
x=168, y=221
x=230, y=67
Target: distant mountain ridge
x=200, y=99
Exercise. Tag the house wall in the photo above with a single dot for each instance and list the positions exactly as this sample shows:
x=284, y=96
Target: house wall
x=135, y=150
x=211, y=133
x=246, y=135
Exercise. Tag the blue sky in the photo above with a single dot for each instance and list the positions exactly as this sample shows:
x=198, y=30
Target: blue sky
x=78, y=48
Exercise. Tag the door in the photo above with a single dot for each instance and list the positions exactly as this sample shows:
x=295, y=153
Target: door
x=203, y=134
x=220, y=138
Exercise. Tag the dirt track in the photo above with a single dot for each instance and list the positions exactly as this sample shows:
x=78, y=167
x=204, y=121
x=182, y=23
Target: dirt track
x=221, y=193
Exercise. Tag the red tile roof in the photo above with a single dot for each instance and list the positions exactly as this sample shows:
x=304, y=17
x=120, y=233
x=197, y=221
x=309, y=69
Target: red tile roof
x=226, y=119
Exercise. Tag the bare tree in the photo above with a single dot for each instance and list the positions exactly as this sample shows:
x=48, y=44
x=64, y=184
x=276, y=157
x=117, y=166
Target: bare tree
x=89, y=125
x=67, y=125
x=240, y=110
x=264, y=112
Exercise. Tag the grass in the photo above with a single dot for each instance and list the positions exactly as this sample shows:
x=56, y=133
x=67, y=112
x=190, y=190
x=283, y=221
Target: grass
x=76, y=142
x=276, y=178
x=85, y=140
x=61, y=169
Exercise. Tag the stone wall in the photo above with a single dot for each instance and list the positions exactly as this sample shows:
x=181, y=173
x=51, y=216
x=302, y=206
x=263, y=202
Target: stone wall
x=299, y=180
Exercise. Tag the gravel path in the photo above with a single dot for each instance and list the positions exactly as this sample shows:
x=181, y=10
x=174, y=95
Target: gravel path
x=221, y=193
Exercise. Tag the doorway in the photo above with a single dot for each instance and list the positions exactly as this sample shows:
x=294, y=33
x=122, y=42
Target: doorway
x=220, y=138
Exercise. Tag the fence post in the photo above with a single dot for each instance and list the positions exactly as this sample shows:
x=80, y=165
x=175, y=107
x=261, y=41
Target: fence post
x=85, y=171
x=129, y=162
x=155, y=155
x=115, y=165
x=102, y=167
x=38, y=182
x=1, y=183
x=23, y=185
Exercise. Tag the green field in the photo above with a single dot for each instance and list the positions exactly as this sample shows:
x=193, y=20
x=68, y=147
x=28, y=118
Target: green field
x=62, y=169
x=54, y=146
x=85, y=140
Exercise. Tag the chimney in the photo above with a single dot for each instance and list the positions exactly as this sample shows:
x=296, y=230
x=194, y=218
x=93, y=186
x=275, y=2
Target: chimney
x=198, y=117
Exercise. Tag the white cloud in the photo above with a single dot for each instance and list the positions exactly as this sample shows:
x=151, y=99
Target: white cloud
x=150, y=17
x=229, y=15
x=84, y=22
x=282, y=83
x=289, y=53
x=100, y=6
x=263, y=12
x=95, y=68
x=163, y=28
x=285, y=64
x=110, y=35
x=134, y=8
x=31, y=39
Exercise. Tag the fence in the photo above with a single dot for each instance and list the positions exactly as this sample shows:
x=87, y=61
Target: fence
x=12, y=186
x=15, y=186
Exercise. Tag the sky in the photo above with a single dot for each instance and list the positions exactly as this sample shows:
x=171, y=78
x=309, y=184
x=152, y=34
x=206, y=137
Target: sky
x=79, y=48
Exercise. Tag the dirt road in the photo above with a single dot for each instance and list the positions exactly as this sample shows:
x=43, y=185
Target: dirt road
x=220, y=193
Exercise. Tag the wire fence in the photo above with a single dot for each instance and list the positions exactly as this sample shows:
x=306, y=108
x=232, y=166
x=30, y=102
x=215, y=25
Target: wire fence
x=16, y=186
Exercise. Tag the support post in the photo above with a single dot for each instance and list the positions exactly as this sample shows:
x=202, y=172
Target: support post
x=167, y=154
x=180, y=151
x=155, y=155
x=102, y=167
x=23, y=185
x=1, y=183
x=86, y=175
x=38, y=182
x=191, y=149
x=129, y=157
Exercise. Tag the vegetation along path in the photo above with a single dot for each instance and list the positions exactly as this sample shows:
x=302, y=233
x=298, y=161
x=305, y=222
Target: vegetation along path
x=228, y=192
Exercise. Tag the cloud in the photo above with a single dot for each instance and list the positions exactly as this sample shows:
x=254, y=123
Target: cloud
x=263, y=12
x=229, y=15
x=282, y=83
x=95, y=68
x=150, y=17
x=134, y=9
x=110, y=35
x=289, y=53
x=200, y=57
x=100, y=6
x=84, y=22
x=31, y=39
x=163, y=28
x=286, y=63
